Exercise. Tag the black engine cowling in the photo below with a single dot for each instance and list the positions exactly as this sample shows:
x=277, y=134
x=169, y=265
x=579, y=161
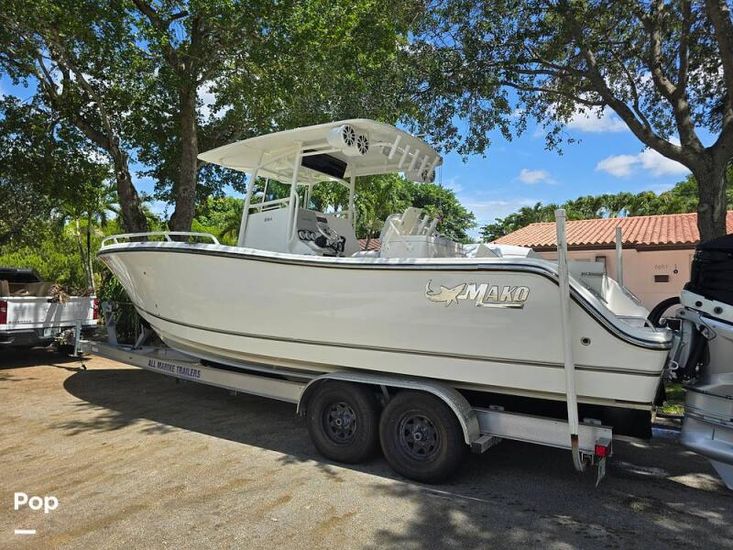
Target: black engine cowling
x=712, y=270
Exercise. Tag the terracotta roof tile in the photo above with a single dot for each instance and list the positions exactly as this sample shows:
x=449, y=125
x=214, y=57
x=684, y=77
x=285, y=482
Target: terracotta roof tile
x=374, y=244
x=662, y=230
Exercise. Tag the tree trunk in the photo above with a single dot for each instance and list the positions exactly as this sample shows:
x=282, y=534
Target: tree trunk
x=133, y=218
x=186, y=190
x=711, y=209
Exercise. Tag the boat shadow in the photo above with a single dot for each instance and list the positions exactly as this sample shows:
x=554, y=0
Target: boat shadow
x=513, y=487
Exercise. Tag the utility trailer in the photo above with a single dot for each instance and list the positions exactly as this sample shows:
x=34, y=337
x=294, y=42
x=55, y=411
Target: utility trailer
x=333, y=431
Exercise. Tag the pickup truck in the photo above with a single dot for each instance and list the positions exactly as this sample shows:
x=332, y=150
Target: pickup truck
x=34, y=312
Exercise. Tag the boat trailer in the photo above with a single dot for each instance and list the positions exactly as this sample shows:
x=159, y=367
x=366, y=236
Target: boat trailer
x=482, y=427
x=589, y=441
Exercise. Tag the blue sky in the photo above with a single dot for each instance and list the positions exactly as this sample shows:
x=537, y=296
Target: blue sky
x=607, y=159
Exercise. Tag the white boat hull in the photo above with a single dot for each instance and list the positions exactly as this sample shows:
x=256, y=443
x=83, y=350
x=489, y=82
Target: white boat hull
x=325, y=314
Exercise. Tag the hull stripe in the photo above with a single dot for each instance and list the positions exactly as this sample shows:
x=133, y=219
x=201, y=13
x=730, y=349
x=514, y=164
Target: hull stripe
x=402, y=351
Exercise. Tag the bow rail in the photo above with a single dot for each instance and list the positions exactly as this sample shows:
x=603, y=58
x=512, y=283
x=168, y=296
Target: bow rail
x=165, y=236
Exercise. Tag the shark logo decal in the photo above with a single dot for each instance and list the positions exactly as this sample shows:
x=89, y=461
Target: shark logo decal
x=482, y=294
x=445, y=295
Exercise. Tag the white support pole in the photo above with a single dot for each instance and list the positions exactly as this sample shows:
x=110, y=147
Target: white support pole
x=352, y=190
x=393, y=148
x=567, y=336
x=403, y=158
x=413, y=162
x=619, y=256
x=77, y=337
x=247, y=202
x=293, y=214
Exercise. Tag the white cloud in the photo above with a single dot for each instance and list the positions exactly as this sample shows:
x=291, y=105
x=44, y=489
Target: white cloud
x=97, y=156
x=208, y=100
x=534, y=176
x=517, y=113
x=590, y=122
x=487, y=210
x=660, y=165
x=618, y=165
x=648, y=160
x=453, y=185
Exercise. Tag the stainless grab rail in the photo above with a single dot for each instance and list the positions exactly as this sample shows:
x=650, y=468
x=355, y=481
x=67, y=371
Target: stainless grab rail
x=115, y=239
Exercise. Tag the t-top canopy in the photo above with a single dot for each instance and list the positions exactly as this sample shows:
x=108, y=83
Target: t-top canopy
x=333, y=151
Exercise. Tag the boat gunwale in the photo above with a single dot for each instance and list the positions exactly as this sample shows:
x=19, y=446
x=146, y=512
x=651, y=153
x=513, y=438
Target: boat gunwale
x=414, y=264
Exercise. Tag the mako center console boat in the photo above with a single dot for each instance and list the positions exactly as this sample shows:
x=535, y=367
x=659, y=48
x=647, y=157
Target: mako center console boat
x=297, y=295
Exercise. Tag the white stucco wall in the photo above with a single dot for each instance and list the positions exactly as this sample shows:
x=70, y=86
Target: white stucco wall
x=640, y=267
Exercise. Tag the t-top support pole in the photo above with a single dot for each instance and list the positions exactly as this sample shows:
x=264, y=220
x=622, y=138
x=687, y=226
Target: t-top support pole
x=247, y=202
x=567, y=337
x=352, y=190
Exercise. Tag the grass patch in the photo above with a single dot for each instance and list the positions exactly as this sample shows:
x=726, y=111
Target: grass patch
x=675, y=402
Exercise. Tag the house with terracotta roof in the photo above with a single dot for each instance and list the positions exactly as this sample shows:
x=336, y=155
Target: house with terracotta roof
x=657, y=250
x=369, y=245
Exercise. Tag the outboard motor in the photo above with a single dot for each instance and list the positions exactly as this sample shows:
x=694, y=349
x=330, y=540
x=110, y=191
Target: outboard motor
x=702, y=355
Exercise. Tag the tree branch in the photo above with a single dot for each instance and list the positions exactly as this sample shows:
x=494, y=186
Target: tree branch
x=162, y=26
x=675, y=95
x=684, y=51
x=719, y=13
x=634, y=92
x=645, y=134
x=540, y=89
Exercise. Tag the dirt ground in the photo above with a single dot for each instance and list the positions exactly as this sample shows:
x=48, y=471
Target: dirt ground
x=137, y=460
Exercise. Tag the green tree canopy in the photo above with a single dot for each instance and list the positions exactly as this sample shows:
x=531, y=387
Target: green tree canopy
x=156, y=82
x=47, y=170
x=664, y=67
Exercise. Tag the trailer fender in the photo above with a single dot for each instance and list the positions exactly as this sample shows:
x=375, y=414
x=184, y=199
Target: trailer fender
x=459, y=405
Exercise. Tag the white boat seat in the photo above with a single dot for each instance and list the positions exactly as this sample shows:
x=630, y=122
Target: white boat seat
x=431, y=228
x=409, y=221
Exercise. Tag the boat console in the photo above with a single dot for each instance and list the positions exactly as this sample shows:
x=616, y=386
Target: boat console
x=312, y=233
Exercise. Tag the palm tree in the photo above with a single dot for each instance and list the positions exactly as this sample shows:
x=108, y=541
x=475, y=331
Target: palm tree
x=93, y=207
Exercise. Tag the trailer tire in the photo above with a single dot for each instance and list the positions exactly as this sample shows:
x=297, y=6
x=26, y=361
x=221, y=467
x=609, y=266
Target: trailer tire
x=421, y=437
x=343, y=421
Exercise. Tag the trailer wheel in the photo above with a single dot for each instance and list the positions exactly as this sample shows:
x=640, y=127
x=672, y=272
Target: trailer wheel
x=421, y=437
x=343, y=421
